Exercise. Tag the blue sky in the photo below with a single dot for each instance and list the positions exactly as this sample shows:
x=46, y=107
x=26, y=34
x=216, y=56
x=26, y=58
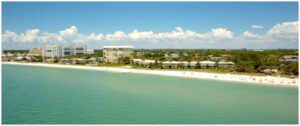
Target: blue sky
x=160, y=17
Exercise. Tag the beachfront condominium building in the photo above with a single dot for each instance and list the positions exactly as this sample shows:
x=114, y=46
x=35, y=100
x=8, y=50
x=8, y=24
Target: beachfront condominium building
x=66, y=51
x=113, y=54
x=35, y=51
x=52, y=51
x=79, y=50
x=62, y=51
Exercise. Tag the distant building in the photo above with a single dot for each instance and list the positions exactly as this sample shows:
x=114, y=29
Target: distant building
x=92, y=60
x=225, y=56
x=140, y=53
x=90, y=51
x=207, y=64
x=20, y=58
x=135, y=61
x=112, y=54
x=193, y=64
x=35, y=51
x=258, y=50
x=289, y=58
x=185, y=64
x=185, y=54
x=78, y=61
x=167, y=64
x=166, y=55
x=52, y=51
x=244, y=49
x=174, y=55
x=78, y=50
x=222, y=64
x=62, y=51
x=270, y=71
x=214, y=58
x=66, y=51
x=146, y=63
x=5, y=57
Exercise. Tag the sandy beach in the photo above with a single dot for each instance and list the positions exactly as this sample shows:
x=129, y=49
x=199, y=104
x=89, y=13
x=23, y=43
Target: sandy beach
x=268, y=80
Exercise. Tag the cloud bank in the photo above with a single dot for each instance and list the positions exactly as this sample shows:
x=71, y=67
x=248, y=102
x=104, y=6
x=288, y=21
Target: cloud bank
x=280, y=34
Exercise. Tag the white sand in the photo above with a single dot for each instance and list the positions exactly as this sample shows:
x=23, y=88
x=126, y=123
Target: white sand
x=268, y=80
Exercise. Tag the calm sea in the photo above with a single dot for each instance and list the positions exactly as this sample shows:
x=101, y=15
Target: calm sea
x=37, y=95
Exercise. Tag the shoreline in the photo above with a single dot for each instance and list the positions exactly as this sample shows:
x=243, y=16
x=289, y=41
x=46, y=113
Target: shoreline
x=263, y=80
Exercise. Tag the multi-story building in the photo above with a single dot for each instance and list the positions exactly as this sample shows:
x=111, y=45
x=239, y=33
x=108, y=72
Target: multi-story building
x=66, y=51
x=77, y=50
x=62, y=51
x=35, y=51
x=52, y=51
x=113, y=54
x=288, y=59
x=223, y=64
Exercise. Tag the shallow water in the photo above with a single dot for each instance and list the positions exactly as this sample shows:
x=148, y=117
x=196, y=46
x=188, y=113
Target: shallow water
x=38, y=95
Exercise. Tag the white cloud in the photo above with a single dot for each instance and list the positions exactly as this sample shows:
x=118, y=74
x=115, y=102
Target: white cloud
x=285, y=30
x=9, y=36
x=221, y=33
x=137, y=36
x=29, y=36
x=47, y=38
x=256, y=26
x=251, y=35
x=282, y=32
x=68, y=34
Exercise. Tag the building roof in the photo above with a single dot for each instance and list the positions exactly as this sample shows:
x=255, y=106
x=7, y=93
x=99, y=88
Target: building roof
x=207, y=62
x=290, y=56
x=148, y=61
x=136, y=59
x=226, y=62
x=117, y=46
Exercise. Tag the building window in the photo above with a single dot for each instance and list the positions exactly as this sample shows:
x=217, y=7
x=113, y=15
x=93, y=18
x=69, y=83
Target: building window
x=79, y=48
x=67, y=53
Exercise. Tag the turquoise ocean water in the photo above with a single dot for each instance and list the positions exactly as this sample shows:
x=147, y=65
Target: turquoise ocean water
x=37, y=95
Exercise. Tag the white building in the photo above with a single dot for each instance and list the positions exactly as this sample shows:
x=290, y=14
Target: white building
x=185, y=64
x=289, y=58
x=174, y=55
x=207, y=64
x=35, y=52
x=146, y=63
x=222, y=64
x=62, y=51
x=66, y=51
x=113, y=54
x=173, y=64
x=78, y=50
x=52, y=51
x=193, y=64
x=136, y=61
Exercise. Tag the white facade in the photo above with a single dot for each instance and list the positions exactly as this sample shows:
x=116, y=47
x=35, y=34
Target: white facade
x=207, y=63
x=62, y=51
x=112, y=54
x=52, y=51
x=222, y=64
x=78, y=50
x=67, y=51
